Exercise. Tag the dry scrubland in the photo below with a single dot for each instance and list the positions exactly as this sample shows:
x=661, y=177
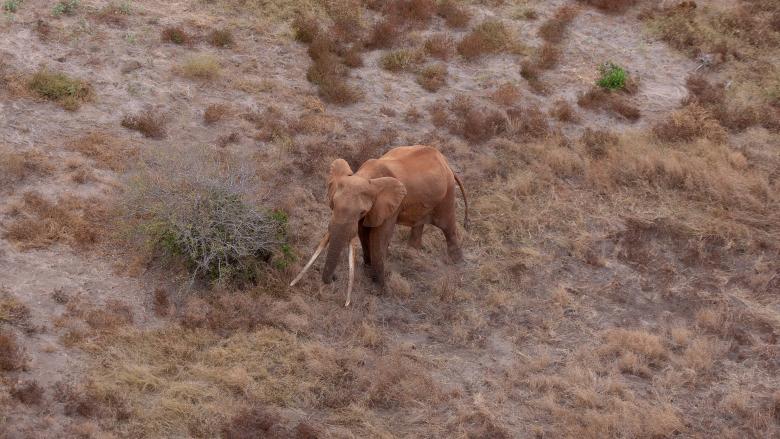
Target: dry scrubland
x=162, y=169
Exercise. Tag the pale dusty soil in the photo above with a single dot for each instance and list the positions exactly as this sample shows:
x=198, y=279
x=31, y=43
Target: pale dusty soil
x=97, y=53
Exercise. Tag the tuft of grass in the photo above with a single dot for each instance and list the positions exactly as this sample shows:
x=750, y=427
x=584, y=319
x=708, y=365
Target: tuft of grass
x=554, y=29
x=106, y=150
x=65, y=7
x=70, y=93
x=305, y=28
x=439, y=46
x=148, y=122
x=689, y=123
x=214, y=113
x=598, y=98
x=28, y=392
x=400, y=60
x=563, y=111
x=613, y=77
x=385, y=33
x=506, y=94
x=613, y=6
x=175, y=35
x=489, y=37
x=203, y=67
x=222, y=38
x=12, y=355
x=433, y=77
x=454, y=14
x=16, y=167
x=598, y=142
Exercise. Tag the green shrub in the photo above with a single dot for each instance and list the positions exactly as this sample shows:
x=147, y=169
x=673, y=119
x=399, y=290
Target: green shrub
x=65, y=7
x=613, y=77
x=11, y=5
x=68, y=92
x=194, y=207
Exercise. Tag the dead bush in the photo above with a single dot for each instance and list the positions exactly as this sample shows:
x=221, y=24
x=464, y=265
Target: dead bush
x=433, y=77
x=222, y=38
x=554, y=29
x=28, y=392
x=547, y=56
x=330, y=76
x=598, y=98
x=12, y=355
x=611, y=5
x=400, y=60
x=148, y=122
x=397, y=380
x=272, y=124
x=175, y=35
x=489, y=37
x=305, y=28
x=162, y=304
x=454, y=14
x=106, y=150
x=14, y=312
x=439, y=46
x=506, y=94
x=385, y=33
x=15, y=167
x=527, y=123
x=203, y=67
x=689, y=123
x=194, y=206
x=562, y=110
x=372, y=145
x=412, y=10
x=597, y=142
x=38, y=222
x=76, y=400
x=473, y=122
x=214, y=113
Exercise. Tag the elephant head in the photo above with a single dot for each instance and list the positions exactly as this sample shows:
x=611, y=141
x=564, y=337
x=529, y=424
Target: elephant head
x=353, y=198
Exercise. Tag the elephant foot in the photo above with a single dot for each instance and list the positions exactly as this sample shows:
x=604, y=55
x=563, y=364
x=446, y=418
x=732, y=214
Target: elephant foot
x=456, y=255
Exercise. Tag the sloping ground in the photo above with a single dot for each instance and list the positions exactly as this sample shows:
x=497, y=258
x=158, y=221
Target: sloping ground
x=615, y=286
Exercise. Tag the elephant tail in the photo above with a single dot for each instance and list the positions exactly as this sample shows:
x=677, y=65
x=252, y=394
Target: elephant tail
x=465, y=201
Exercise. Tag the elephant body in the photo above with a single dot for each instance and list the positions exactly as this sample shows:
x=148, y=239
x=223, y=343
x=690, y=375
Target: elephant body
x=420, y=189
x=410, y=185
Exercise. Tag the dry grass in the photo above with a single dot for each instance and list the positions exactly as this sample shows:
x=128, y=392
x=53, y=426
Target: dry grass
x=202, y=67
x=214, y=113
x=554, y=29
x=613, y=6
x=506, y=94
x=28, y=392
x=598, y=142
x=16, y=167
x=440, y=46
x=400, y=60
x=689, y=123
x=563, y=111
x=489, y=37
x=68, y=92
x=222, y=38
x=149, y=123
x=38, y=222
x=454, y=14
x=175, y=35
x=105, y=150
x=12, y=355
x=613, y=102
x=432, y=77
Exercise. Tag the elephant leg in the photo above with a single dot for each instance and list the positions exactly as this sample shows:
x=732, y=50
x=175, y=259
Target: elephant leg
x=363, y=234
x=415, y=238
x=444, y=219
x=379, y=239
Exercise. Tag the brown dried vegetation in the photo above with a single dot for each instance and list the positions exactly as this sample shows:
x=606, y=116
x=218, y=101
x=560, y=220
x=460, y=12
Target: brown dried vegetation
x=149, y=123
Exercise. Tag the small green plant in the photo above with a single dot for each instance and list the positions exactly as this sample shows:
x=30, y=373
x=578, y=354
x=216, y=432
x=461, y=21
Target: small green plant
x=613, y=77
x=11, y=5
x=68, y=92
x=65, y=7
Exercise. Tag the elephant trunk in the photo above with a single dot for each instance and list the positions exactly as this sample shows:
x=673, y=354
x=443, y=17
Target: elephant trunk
x=339, y=238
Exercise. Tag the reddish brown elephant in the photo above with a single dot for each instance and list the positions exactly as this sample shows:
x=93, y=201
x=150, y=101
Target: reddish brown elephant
x=410, y=186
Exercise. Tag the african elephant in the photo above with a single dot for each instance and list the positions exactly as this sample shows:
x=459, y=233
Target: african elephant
x=410, y=185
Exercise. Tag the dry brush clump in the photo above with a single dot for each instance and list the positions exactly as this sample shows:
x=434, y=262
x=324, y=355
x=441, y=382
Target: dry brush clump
x=598, y=98
x=432, y=77
x=554, y=29
x=68, y=92
x=18, y=166
x=175, y=35
x=12, y=354
x=104, y=149
x=37, y=222
x=203, y=67
x=489, y=37
x=148, y=122
x=440, y=46
x=196, y=208
x=613, y=6
x=689, y=123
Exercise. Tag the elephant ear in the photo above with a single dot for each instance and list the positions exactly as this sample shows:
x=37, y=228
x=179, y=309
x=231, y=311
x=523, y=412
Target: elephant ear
x=388, y=197
x=338, y=168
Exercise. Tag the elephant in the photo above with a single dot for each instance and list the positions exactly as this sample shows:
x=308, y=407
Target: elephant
x=409, y=185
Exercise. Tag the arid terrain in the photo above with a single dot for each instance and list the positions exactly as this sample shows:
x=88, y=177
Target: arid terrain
x=163, y=175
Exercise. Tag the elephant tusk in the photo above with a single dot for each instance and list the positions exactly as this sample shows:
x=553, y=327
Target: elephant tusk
x=351, y=281
x=317, y=252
